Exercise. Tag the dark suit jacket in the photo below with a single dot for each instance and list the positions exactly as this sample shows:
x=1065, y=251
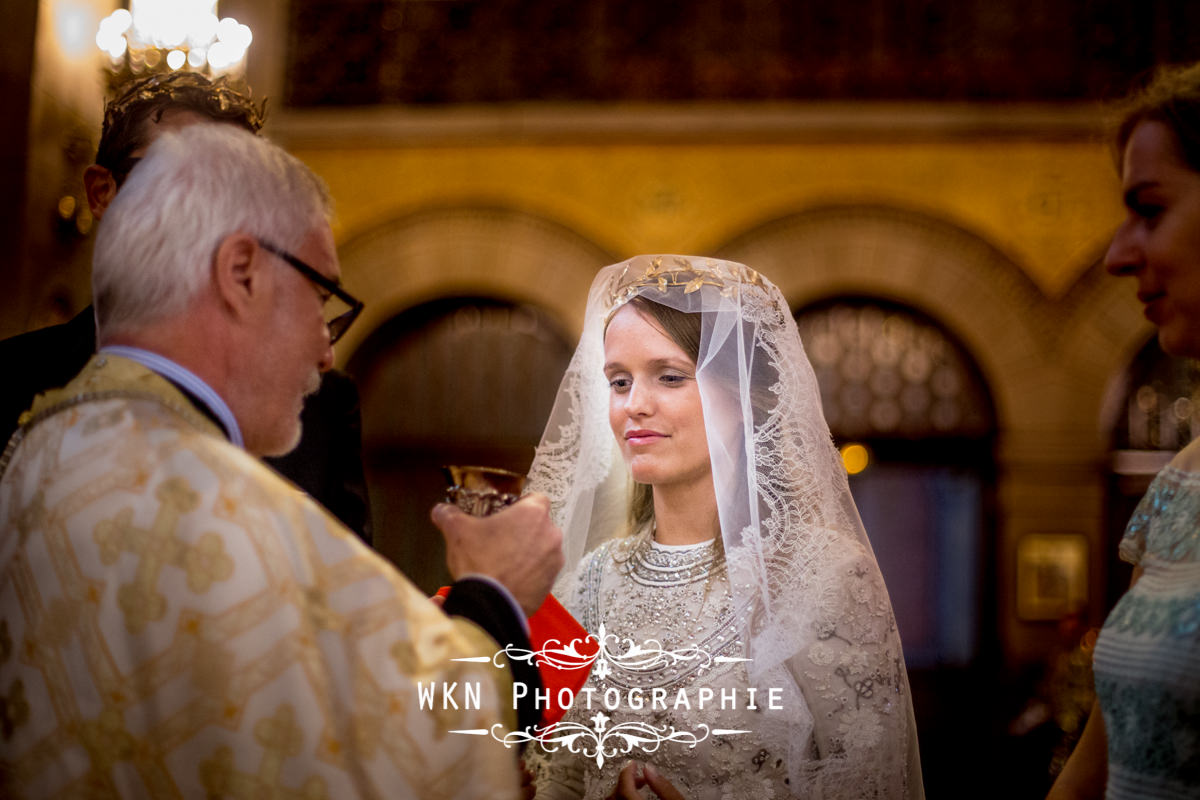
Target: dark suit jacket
x=39, y=360
x=327, y=463
x=481, y=603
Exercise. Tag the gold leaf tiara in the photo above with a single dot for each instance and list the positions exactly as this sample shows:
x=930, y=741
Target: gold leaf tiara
x=667, y=272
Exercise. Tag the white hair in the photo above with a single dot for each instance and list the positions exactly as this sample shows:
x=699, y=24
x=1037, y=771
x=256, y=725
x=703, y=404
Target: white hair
x=193, y=188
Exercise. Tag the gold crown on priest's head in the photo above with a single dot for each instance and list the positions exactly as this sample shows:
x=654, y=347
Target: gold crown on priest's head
x=216, y=97
x=690, y=273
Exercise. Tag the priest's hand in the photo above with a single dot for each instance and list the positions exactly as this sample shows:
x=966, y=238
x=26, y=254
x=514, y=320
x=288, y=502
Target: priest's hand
x=518, y=546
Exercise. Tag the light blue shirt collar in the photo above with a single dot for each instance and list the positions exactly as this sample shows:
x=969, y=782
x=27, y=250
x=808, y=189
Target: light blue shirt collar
x=185, y=378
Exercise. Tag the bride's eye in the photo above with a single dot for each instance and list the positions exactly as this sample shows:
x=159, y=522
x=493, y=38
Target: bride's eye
x=619, y=385
x=672, y=379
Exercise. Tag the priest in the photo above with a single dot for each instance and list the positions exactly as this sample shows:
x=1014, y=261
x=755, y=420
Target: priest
x=176, y=620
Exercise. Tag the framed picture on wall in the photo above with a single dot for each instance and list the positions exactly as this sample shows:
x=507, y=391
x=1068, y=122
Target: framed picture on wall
x=1052, y=575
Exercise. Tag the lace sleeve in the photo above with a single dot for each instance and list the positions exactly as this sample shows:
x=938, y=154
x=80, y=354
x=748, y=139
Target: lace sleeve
x=853, y=681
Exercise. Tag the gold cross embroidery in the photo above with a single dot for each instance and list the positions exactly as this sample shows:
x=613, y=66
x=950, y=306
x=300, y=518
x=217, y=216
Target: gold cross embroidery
x=32, y=518
x=205, y=561
x=281, y=738
x=107, y=741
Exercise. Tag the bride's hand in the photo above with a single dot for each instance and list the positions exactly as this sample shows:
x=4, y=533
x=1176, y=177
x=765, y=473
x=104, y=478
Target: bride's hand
x=635, y=776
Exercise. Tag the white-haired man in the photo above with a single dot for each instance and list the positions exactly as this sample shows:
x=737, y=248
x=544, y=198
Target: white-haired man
x=176, y=620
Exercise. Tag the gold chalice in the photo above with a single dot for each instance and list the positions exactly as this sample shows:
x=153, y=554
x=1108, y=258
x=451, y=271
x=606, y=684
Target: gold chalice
x=482, y=490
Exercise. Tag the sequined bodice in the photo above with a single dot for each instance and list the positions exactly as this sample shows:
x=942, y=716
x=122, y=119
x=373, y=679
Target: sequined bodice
x=678, y=599
x=1147, y=659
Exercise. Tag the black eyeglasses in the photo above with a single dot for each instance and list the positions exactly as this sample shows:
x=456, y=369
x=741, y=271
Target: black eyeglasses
x=339, y=320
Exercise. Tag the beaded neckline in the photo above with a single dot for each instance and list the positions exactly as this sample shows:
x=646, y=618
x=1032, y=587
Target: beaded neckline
x=652, y=564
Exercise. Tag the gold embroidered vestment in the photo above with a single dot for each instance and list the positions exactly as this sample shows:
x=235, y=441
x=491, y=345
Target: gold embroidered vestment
x=178, y=621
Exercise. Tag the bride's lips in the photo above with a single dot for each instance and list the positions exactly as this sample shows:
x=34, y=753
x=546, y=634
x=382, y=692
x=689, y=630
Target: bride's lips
x=641, y=436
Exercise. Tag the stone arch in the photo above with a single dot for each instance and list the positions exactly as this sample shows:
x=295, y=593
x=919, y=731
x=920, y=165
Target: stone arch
x=469, y=250
x=952, y=275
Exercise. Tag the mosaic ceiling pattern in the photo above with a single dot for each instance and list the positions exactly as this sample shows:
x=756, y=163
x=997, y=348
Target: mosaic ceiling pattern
x=367, y=52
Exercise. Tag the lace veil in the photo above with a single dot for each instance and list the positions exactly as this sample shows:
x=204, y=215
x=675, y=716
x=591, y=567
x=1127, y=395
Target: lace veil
x=791, y=532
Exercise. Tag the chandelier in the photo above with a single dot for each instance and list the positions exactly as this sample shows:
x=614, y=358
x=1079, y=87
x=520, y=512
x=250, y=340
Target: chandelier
x=167, y=35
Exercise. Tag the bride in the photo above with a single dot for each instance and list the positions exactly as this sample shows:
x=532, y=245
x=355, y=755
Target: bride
x=719, y=553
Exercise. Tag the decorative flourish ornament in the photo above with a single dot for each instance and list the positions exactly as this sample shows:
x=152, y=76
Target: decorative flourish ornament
x=626, y=654
x=600, y=742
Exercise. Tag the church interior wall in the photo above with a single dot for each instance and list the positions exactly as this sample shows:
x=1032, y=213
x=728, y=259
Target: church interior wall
x=442, y=207
x=989, y=217
x=997, y=239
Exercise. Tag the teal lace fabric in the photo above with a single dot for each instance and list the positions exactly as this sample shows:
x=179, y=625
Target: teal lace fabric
x=1147, y=659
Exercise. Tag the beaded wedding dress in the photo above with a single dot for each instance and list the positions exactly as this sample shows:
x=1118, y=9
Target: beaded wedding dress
x=766, y=664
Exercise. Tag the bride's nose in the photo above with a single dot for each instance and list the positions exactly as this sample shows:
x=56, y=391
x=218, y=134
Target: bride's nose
x=640, y=401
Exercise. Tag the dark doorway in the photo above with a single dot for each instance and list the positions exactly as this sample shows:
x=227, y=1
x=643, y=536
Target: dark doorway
x=467, y=380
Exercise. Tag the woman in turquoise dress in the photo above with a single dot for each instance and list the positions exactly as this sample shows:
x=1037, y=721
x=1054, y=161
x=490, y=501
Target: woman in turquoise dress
x=1143, y=739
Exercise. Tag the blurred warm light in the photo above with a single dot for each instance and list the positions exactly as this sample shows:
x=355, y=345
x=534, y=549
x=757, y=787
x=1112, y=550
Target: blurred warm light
x=185, y=32
x=855, y=457
x=66, y=206
x=72, y=21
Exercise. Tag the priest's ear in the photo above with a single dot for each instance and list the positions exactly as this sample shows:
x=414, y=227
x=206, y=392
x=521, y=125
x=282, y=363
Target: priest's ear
x=100, y=187
x=242, y=278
